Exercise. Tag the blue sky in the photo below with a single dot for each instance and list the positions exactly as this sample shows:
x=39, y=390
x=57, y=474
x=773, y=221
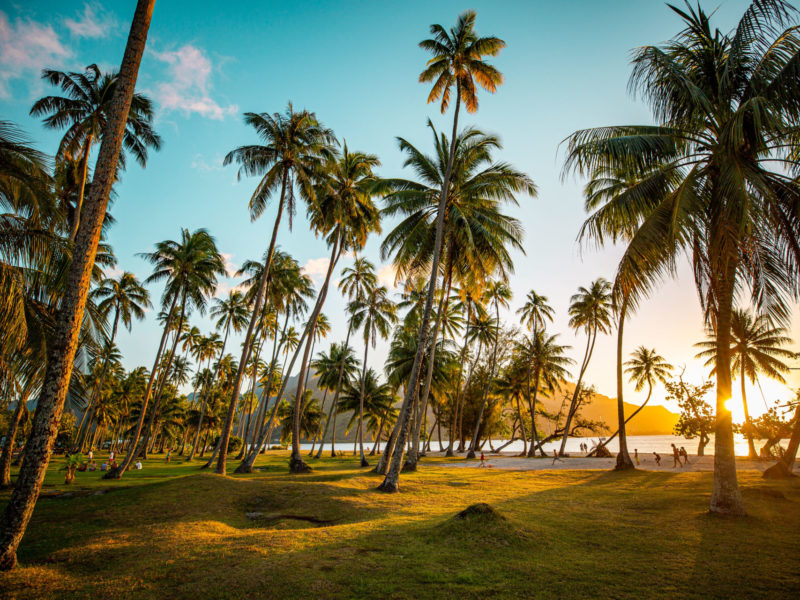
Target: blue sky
x=356, y=65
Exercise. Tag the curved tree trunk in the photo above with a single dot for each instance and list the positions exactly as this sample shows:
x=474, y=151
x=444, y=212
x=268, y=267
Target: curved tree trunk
x=364, y=462
x=76, y=218
x=391, y=482
x=473, y=444
x=333, y=409
x=260, y=295
x=8, y=449
x=18, y=511
x=454, y=416
x=624, y=461
x=785, y=466
x=573, y=403
x=296, y=463
x=751, y=447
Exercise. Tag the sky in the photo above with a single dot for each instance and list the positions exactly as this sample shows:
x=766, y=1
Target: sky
x=356, y=64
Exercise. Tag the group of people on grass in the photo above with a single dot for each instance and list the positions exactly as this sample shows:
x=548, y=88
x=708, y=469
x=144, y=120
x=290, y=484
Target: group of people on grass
x=91, y=465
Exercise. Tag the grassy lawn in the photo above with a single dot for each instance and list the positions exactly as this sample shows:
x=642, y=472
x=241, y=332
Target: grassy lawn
x=169, y=531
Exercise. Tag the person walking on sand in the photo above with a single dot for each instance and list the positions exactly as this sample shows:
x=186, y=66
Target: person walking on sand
x=658, y=458
x=676, y=457
x=555, y=456
x=636, y=456
x=483, y=461
x=684, y=455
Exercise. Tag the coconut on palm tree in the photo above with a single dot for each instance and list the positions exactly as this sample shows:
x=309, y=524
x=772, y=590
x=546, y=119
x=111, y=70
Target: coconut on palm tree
x=729, y=205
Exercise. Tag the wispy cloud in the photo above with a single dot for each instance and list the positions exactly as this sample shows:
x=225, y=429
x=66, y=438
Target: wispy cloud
x=93, y=23
x=187, y=87
x=386, y=276
x=230, y=267
x=201, y=163
x=225, y=287
x=25, y=48
x=316, y=268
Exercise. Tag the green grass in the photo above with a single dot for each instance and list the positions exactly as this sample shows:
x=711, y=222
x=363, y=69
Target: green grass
x=169, y=531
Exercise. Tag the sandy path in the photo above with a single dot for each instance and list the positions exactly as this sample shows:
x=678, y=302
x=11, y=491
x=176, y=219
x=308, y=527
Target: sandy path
x=515, y=463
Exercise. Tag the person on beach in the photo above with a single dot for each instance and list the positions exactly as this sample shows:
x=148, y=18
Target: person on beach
x=168, y=451
x=483, y=461
x=684, y=455
x=555, y=456
x=676, y=457
x=636, y=455
x=658, y=458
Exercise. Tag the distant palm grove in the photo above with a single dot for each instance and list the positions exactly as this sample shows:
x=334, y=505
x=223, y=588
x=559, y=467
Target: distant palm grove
x=714, y=181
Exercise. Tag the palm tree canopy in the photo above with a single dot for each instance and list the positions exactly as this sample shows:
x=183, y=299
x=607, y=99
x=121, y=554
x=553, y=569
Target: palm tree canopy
x=458, y=58
x=646, y=367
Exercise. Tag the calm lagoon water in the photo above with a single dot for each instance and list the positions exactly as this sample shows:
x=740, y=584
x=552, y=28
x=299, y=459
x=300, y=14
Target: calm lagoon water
x=644, y=443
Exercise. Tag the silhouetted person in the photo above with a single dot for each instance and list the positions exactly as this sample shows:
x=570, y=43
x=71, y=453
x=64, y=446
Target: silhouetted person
x=676, y=457
x=658, y=458
x=636, y=455
x=684, y=455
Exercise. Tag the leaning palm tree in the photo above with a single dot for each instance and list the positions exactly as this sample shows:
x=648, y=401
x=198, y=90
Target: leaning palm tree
x=61, y=352
x=646, y=367
x=231, y=314
x=189, y=268
x=84, y=112
x=533, y=314
x=497, y=293
x=376, y=313
x=295, y=145
x=339, y=366
x=457, y=58
x=725, y=107
x=757, y=347
x=590, y=310
x=477, y=236
x=344, y=213
x=127, y=299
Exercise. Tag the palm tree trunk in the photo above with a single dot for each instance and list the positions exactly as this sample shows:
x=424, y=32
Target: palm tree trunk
x=8, y=449
x=574, y=402
x=749, y=434
x=391, y=482
x=605, y=442
x=203, y=400
x=413, y=453
x=333, y=410
x=785, y=466
x=454, y=416
x=364, y=462
x=216, y=374
x=76, y=220
x=726, y=498
x=254, y=376
x=61, y=353
x=525, y=450
x=262, y=290
x=474, y=442
x=624, y=461
x=297, y=464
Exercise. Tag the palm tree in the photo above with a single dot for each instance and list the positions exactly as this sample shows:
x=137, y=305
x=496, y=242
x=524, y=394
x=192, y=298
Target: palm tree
x=231, y=313
x=496, y=293
x=368, y=400
x=190, y=268
x=477, y=234
x=376, y=313
x=204, y=350
x=756, y=347
x=84, y=111
x=345, y=215
x=533, y=314
x=590, y=310
x=337, y=366
x=728, y=204
x=127, y=298
x=457, y=58
x=295, y=144
x=61, y=352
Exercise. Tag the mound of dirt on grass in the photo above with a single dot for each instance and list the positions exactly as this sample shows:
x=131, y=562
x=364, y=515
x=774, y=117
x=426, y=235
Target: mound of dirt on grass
x=481, y=523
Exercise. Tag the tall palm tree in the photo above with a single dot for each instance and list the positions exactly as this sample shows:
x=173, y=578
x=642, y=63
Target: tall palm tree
x=61, y=353
x=295, y=145
x=726, y=117
x=231, y=313
x=477, y=235
x=339, y=366
x=533, y=314
x=344, y=213
x=84, y=112
x=127, y=298
x=368, y=400
x=590, y=310
x=204, y=351
x=496, y=293
x=376, y=313
x=757, y=347
x=189, y=268
x=457, y=58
